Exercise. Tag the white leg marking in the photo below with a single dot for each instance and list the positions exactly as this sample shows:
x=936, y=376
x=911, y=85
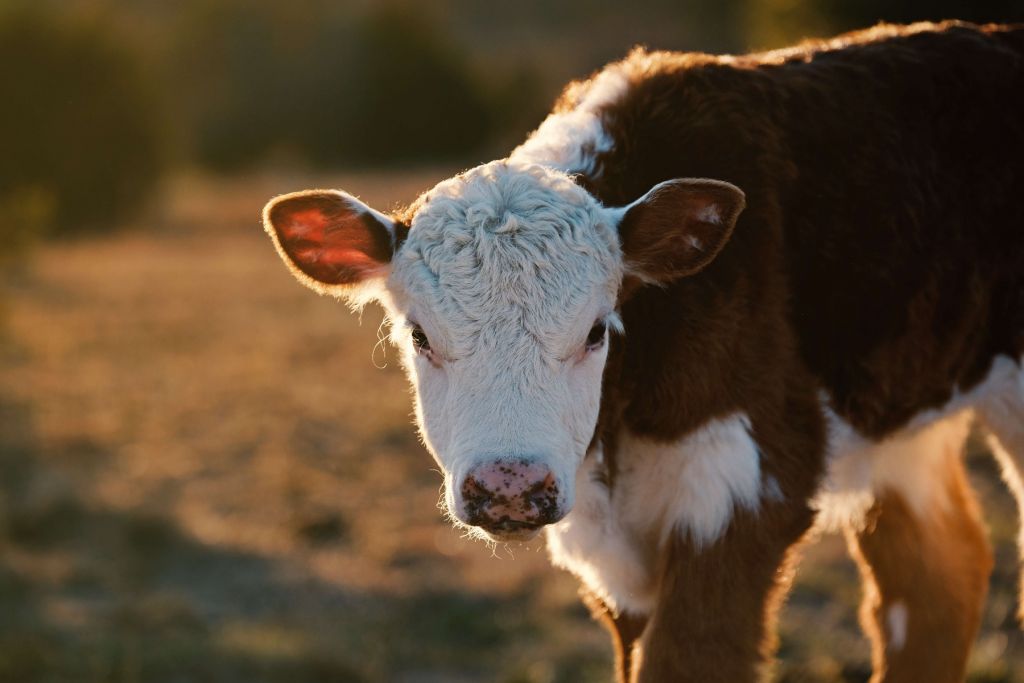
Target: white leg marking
x=896, y=620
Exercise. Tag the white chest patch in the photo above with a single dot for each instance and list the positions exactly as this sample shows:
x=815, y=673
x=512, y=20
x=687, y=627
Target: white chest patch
x=612, y=540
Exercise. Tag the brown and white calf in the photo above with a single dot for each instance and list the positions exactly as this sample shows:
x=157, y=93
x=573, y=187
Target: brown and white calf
x=709, y=300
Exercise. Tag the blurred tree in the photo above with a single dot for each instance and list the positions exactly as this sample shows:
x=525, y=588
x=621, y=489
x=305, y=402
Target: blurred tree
x=338, y=88
x=26, y=214
x=775, y=23
x=399, y=93
x=518, y=100
x=846, y=14
x=371, y=82
x=79, y=127
x=235, y=69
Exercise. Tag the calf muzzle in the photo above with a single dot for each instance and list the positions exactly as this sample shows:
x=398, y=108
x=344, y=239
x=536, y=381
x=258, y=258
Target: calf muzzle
x=511, y=498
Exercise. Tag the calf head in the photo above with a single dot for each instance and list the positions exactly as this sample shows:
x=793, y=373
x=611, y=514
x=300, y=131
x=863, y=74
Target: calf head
x=501, y=287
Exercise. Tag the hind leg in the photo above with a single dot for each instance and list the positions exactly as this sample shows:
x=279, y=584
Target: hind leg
x=925, y=560
x=1002, y=413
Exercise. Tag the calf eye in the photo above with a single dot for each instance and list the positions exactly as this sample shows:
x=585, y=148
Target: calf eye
x=596, y=336
x=419, y=339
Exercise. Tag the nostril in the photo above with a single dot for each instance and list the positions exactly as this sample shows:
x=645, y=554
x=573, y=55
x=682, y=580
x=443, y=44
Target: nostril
x=544, y=497
x=543, y=489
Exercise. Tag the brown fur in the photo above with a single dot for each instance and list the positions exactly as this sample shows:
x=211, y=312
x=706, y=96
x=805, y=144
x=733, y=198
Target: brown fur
x=716, y=611
x=880, y=259
x=669, y=236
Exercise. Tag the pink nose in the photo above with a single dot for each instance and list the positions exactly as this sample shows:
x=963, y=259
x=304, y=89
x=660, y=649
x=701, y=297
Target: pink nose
x=510, y=496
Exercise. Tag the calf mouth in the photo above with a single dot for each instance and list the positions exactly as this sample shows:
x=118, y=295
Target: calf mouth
x=505, y=530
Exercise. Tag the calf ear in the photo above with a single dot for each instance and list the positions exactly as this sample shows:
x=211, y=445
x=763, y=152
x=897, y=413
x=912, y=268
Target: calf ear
x=678, y=228
x=331, y=241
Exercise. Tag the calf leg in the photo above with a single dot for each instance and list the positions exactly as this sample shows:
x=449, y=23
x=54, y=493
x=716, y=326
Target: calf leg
x=925, y=574
x=714, y=620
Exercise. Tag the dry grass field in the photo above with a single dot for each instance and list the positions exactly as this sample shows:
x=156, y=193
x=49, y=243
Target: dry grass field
x=207, y=473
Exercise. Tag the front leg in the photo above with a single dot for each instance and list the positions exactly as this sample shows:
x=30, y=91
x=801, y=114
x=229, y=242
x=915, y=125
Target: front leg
x=715, y=613
x=694, y=535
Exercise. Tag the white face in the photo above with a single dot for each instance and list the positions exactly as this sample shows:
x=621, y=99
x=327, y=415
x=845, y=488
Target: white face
x=500, y=300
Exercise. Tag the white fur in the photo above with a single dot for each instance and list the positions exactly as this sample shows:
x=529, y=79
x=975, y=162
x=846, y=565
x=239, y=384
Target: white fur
x=596, y=544
x=772, y=491
x=1002, y=413
x=909, y=462
x=506, y=268
x=710, y=214
x=692, y=486
x=896, y=621
x=571, y=140
x=1002, y=409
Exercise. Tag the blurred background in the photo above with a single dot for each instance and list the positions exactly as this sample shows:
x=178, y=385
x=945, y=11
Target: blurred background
x=207, y=473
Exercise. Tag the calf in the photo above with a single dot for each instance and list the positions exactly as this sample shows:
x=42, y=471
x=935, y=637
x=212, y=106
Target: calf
x=708, y=301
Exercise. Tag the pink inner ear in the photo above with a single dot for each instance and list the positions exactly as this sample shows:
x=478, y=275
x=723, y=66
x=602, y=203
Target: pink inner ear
x=329, y=240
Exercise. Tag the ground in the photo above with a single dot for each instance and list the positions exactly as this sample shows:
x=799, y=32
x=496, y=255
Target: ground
x=208, y=473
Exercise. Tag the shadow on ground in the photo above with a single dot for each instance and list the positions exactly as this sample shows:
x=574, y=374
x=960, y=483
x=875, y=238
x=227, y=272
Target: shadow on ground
x=91, y=594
